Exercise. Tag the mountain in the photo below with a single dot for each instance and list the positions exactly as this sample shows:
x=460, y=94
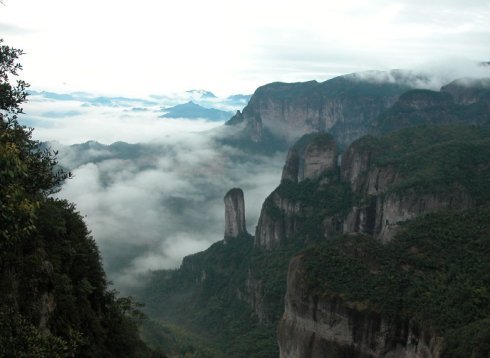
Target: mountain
x=345, y=106
x=366, y=248
x=463, y=101
x=354, y=105
x=381, y=244
x=243, y=98
x=201, y=94
x=193, y=111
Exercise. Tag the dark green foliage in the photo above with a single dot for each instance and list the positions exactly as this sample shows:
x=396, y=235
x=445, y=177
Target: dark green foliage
x=203, y=297
x=436, y=270
x=474, y=337
x=176, y=341
x=435, y=159
x=54, y=298
x=419, y=107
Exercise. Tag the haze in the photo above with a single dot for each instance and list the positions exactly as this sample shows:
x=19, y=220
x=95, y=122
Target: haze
x=124, y=47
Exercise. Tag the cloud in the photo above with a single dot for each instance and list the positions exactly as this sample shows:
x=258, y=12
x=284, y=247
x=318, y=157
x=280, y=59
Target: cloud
x=150, y=204
x=10, y=29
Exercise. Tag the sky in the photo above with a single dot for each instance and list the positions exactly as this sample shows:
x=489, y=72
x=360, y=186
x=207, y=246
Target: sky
x=149, y=47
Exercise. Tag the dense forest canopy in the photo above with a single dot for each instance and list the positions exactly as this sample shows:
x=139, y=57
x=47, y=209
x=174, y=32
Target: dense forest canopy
x=55, y=300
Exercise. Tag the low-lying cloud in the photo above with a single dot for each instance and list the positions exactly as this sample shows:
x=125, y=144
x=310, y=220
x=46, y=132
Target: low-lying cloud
x=150, y=189
x=149, y=205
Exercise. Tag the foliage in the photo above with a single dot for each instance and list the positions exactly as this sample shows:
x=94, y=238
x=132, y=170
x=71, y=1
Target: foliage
x=435, y=271
x=425, y=107
x=435, y=159
x=176, y=341
x=207, y=297
x=54, y=297
x=26, y=172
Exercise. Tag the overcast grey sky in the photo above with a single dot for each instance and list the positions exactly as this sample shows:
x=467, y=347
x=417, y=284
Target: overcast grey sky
x=146, y=46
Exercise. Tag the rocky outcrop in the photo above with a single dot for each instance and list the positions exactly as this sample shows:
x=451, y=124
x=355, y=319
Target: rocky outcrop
x=383, y=214
x=310, y=158
x=329, y=326
x=278, y=221
x=385, y=205
x=280, y=218
x=290, y=172
x=234, y=213
x=386, y=193
x=320, y=156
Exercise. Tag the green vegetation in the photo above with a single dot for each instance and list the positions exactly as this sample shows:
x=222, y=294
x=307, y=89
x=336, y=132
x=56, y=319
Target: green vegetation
x=435, y=159
x=202, y=297
x=54, y=297
x=424, y=107
x=436, y=270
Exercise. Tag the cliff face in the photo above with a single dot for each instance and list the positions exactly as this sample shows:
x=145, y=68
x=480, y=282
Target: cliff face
x=278, y=221
x=340, y=302
x=346, y=106
x=280, y=218
x=384, y=183
x=329, y=326
x=234, y=213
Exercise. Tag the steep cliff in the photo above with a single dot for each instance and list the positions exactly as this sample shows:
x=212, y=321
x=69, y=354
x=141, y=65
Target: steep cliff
x=380, y=183
x=413, y=172
x=311, y=159
x=329, y=326
x=345, y=106
x=367, y=295
x=353, y=297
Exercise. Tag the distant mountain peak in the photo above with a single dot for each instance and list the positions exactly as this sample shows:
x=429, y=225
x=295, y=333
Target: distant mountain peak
x=193, y=111
x=201, y=93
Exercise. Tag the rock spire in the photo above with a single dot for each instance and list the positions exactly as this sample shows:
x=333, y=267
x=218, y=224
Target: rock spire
x=234, y=213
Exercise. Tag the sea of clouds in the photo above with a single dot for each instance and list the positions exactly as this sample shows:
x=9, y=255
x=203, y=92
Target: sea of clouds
x=150, y=189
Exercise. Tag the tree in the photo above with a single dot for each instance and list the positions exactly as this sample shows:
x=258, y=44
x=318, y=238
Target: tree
x=26, y=170
x=54, y=297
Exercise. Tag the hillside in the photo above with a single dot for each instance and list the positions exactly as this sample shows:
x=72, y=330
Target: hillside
x=55, y=300
x=370, y=202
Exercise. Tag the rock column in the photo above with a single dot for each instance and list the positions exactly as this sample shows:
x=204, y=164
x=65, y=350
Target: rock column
x=234, y=213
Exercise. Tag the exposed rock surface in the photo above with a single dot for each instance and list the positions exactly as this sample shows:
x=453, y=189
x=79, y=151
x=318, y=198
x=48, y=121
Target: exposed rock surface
x=386, y=193
x=234, y=213
x=320, y=156
x=308, y=160
x=346, y=106
x=290, y=171
x=384, y=209
x=328, y=326
x=278, y=221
